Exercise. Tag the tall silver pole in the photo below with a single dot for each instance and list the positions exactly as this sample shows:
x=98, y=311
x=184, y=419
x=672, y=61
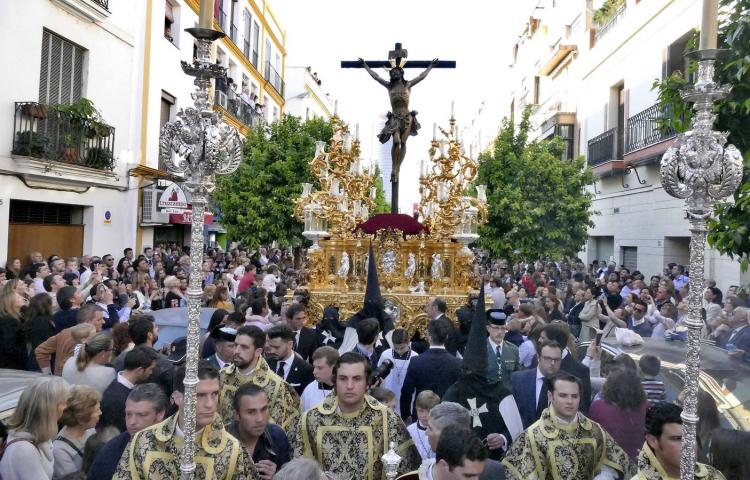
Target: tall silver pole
x=198, y=145
x=702, y=169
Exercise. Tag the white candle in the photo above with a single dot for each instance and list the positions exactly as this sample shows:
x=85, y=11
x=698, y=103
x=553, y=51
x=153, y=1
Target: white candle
x=373, y=192
x=452, y=107
x=356, y=132
x=335, y=107
x=434, y=131
x=709, y=24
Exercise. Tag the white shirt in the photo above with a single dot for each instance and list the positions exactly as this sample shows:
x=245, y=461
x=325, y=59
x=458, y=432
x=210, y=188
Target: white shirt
x=526, y=353
x=313, y=395
x=498, y=297
x=287, y=365
x=124, y=381
x=395, y=380
x=419, y=436
x=539, y=384
x=221, y=362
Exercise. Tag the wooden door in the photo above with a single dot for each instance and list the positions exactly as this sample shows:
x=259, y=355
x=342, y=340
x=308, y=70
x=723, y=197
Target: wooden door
x=63, y=240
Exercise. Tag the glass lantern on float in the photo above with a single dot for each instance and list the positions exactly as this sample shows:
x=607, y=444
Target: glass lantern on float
x=466, y=230
x=316, y=228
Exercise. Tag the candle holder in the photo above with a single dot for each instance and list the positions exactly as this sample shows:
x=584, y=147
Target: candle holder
x=701, y=169
x=391, y=460
x=198, y=145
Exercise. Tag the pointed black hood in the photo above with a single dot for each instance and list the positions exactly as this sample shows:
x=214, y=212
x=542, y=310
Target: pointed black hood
x=373, y=303
x=475, y=353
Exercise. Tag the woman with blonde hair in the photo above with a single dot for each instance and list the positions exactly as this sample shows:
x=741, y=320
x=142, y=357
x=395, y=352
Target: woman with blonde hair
x=79, y=418
x=89, y=367
x=13, y=352
x=28, y=451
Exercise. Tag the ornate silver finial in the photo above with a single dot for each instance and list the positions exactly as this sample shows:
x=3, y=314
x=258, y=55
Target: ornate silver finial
x=391, y=460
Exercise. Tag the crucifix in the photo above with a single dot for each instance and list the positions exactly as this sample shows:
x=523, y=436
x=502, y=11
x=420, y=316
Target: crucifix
x=401, y=122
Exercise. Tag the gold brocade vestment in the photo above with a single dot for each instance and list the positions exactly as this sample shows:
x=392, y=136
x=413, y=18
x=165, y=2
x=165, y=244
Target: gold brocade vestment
x=549, y=450
x=350, y=444
x=155, y=454
x=649, y=468
x=283, y=400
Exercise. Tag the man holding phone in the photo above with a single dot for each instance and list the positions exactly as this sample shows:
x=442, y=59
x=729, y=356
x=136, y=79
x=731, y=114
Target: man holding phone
x=266, y=441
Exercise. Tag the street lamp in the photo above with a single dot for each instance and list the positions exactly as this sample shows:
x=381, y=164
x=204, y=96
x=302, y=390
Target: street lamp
x=198, y=145
x=701, y=169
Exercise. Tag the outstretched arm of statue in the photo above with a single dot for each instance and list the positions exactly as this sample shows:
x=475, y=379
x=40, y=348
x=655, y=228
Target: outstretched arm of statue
x=422, y=75
x=372, y=73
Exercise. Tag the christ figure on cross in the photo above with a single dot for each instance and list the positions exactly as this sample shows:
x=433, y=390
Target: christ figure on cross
x=401, y=122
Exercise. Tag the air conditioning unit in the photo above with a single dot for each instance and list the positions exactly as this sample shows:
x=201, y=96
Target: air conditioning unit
x=150, y=212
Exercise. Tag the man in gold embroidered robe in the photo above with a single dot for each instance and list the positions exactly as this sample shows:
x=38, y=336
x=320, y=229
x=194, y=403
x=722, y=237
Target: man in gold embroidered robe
x=565, y=445
x=249, y=366
x=155, y=453
x=660, y=457
x=348, y=432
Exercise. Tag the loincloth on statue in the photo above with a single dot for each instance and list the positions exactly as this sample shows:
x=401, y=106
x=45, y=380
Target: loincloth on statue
x=398, y=122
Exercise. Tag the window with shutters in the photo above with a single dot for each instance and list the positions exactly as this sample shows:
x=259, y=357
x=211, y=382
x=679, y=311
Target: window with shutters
x=44, y=213
x=630, y=258
x=61, y=73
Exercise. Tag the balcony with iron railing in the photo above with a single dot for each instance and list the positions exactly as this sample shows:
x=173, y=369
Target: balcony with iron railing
x=273, y=77
x=41, y=131
x=649, y=127
x=241, y=110
x=603, y=148
x=610, y=24
x=102, y=3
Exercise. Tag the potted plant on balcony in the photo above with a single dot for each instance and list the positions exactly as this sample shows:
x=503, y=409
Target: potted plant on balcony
x=30, y=143
x=100, y=158
x=35, y=110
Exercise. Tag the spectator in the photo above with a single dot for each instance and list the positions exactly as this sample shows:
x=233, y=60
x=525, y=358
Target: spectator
x=730, y=453
x=649, y=366
x=306, y=340
x=324, y=359
x=258, y=314
x=301, y=468
x=139, y=367
x=174, y=297
x=144, y=332
x=69, y=300
x=38, y=323
x=497, y=293
x=573, y=319
x=559, y=333
x=93, y=446
x=527, y=350
x=284, y=361
x=90, y=366
x=146, y=405
x=78, y=419
x=712, y=304
x=103, y=297
x=638, y=321
x=28, y=451
x=530, y=387
x=621, y=411
x=221, y=299
x=39, y=271
x=224, y=346
x=367, y=337
x=589, y=314
x=12, y=335
x=13, y=268
x=207, y=343
x=384, y=396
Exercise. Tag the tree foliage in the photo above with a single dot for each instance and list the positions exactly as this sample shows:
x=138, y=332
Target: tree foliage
x=728, y=232
x=256, y=202
x=381, y=204
x=538, y=205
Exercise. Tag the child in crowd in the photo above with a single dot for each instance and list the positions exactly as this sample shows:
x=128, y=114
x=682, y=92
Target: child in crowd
x=649, y=366
x=384, y=396
x=418, y=430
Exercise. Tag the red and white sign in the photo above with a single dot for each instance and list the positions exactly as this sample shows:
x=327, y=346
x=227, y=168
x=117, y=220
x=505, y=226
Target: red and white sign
x=173, y=197
x=186, y=218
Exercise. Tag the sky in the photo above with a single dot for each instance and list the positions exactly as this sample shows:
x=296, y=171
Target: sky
x=477, y=34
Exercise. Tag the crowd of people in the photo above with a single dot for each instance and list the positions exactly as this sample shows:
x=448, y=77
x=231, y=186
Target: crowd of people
x=500, y=390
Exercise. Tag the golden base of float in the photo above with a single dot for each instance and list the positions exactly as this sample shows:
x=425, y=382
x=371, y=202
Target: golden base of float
x=412, y=269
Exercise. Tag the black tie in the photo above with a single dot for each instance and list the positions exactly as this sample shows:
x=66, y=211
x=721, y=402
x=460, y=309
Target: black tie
x=543, y=401
x=280, y=369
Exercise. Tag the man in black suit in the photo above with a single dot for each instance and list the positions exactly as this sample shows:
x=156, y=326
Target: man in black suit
x=436, y=369
x=530, y=387
x=140, y=363
x=436, y=309
x=368, y=331
x=306, y=339
x=560, y=334
x=224, y=346
x=146, y=405
x=284, y=361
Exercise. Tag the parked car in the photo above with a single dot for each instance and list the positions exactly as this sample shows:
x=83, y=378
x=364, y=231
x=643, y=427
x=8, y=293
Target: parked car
x=172, y=323
x=12, y=384
x=726, y=380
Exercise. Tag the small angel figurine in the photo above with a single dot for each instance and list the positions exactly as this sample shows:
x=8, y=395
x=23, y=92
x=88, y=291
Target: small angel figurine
x=437, y=267
x=411, y=267
x=344, y=266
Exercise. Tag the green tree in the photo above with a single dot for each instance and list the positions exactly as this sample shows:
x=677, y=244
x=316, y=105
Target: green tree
x=538, y=205
x=728, y=232
x=381, y=204
x=257, y=201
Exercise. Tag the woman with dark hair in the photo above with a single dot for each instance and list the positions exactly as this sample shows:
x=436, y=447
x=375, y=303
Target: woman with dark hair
x=13, y=268
x=13, y=352
x=221, y=299
x=730, y=453
x=589, y=314
x=621, y=410
x=553, y=308
x=712, y=305
x=38, y=323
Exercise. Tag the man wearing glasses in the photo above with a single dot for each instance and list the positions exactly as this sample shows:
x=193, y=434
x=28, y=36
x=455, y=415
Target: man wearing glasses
x=638, y=321
x=529, y=386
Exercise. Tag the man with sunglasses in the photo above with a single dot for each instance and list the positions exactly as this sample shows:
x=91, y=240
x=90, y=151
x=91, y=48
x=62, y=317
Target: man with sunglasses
x=638, y=322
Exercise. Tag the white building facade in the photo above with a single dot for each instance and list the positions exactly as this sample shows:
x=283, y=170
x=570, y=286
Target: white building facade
x=305, y=97
x=65, y=187
x=591, y=82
